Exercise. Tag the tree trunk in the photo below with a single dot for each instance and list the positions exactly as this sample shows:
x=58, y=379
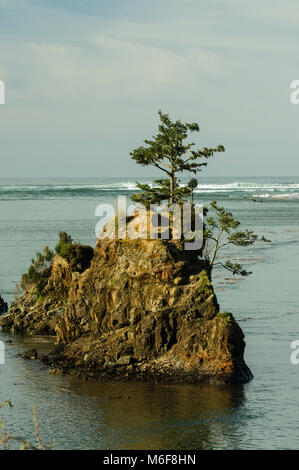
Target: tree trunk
x=171, y=192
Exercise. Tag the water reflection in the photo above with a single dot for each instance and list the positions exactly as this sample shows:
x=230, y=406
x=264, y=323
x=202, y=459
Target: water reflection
x=87, y=415
x=168, y=416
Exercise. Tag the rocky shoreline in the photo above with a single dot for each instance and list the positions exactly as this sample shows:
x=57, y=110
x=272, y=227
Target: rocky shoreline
x=144, y=310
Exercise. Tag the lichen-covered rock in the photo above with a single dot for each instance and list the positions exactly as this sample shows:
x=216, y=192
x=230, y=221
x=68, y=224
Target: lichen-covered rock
x=34, y=314
x=146, y=309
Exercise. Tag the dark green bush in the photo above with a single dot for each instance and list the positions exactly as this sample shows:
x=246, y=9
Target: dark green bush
x=79, y=256
x=64, y=239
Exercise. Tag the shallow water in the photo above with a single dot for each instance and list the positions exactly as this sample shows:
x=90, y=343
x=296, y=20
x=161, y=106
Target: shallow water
x=78, y=414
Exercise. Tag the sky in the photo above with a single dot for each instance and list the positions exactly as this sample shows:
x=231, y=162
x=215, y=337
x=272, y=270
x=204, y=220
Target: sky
x=84, y=81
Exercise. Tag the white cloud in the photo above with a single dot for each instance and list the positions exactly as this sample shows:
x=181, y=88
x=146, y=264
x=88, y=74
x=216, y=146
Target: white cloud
x=105, y=68
x=73, y=76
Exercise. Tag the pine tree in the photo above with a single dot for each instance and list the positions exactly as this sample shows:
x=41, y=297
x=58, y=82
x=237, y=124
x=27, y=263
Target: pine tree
x=192, y=184
x=169, y=152
x=222, y=230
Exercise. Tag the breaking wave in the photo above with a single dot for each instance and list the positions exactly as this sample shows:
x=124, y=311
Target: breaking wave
x=264, y=190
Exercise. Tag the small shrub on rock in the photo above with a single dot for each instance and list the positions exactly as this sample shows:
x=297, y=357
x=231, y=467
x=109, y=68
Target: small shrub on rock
x=77, y=255
x=39, y=271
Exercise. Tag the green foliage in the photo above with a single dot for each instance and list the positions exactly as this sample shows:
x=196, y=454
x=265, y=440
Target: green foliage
x=236, y=268
x=40, y=299
x=160, y=192
x=168, y=152
x=192, y=184
x=39, y=271
x=79, y=256
x=220, y=231
x=226, y=316
x=64, y=239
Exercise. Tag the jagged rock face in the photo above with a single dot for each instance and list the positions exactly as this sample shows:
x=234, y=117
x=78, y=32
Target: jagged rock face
x=144, y=310
x=151, y=303
x=144, y=285
x=33, y=314
x=61, y=278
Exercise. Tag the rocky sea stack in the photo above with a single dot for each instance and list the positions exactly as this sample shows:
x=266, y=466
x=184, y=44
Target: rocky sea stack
x=143, y=310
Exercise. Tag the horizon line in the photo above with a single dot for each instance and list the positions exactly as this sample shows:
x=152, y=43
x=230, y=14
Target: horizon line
x=150, y=176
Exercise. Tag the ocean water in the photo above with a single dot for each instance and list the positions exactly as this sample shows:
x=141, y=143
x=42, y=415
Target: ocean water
x=78, y=414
